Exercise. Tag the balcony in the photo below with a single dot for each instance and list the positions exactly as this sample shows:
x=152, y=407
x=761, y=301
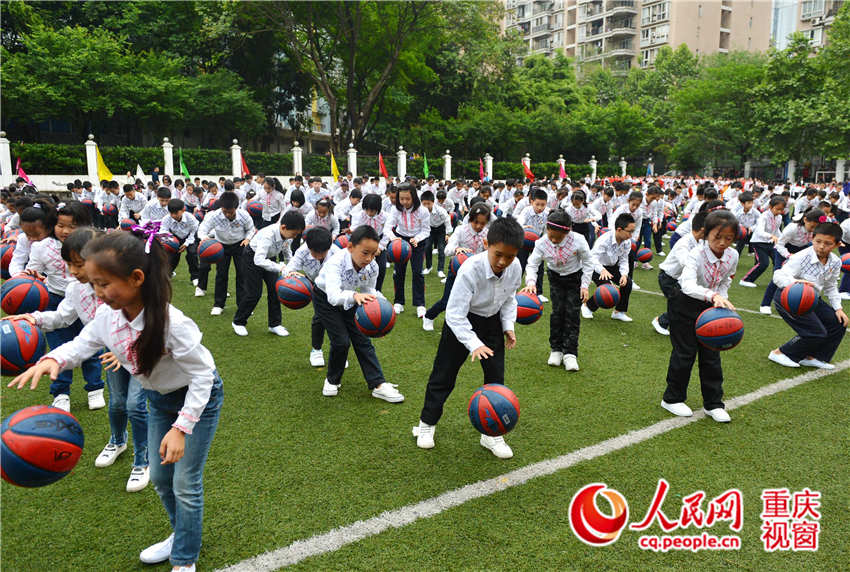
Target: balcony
x=620, y=29
x=541, y=29
x=621, y=7
x=620, y=51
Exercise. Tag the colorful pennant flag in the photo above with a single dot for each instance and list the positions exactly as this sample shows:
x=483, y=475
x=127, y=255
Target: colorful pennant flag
x=384, y=173
x=528, y=174
x=334, y=168
x=425, y=170
x=183, y=170
x=103, y=172
x=245, y=170
x=21, y=172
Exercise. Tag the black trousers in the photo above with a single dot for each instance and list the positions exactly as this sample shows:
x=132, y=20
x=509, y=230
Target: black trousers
x=625, y=291
x=742, y=243
x=670, y=288
x=819, y=333
x=381, y=259
x=450, y=357
x=764, y=256
x=253, y=278
x=417, y=257
x=440, y=305
x=683, y=311
x=658, y=235
x=523, y=260
x=438, y=240
x=343, y=333
x=564, y=322
x=222, y=274
x=191, y=258
x=317, y=330
x=264, y=223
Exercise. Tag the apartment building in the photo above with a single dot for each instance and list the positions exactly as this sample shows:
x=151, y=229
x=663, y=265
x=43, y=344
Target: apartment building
x=812, y=17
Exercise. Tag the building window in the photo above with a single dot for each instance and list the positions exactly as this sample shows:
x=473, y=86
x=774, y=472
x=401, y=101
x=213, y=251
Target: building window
x=644, y=36
x=811, y=9
x=655, y=13
x=660, y=33
x=699, y=11
x=815, y=36
x=647, y=57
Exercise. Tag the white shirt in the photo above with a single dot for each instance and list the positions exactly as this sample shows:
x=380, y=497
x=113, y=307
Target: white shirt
x=567, y=257
x=302, y=261
x=21, y=255
x=804, y=265
x=845, y=226
x=184, y=229
x=767, y=227
x=536, y=221
x=359, y=218
x=46, y=258
x=439, y=217
x=477, y=290
x=344, y=208
x=606, y=252
x=624, y=209
x=79, y=302
x=273, y=203
x=747, y=219
x=226, y=231
x=408, y=223
x=339, y=280
x=127, y=204
x=267, y=244
x=705, y=275
x=465, y=237
x=186, y=362
x=329, y=222
x=795, y=234
x=675, y=261
x=153, y=211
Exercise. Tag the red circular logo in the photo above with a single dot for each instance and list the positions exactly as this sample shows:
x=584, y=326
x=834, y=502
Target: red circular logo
x=591, y=526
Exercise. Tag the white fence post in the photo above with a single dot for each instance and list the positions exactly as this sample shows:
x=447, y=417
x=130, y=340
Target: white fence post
x=593, y=162
x=91, y=159
x=6, y=161
x=236, y=159
x=839, y=170
x=296, y=159
x=447, y=166
x=402, y=163
x=623, y=166
x=352, y=160
x=168, y=156
x=748, y=167
x=488, y=167
x=792, y=170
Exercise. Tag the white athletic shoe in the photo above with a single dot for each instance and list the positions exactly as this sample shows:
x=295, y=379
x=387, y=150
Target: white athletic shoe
x=216, y=311
x=497, y=446
x=782, y=359
x=189, y=568
x=62, y=401
x=427, y=325
x=389, y=264
x=719, y=414
x=195, y=282
x=424, y=434
x=570, y=362
x=398, y=308
x=329, y=389
x=96, y=400
x=646, y=266
x=678, y=409
x=388, y=392
x=434, y=251
x=240, y=330
x=199, y=292
x=317, y=359
x=659, y=328
x=662, y=253
x=109, y=454
x=173, y=274
x=420, y=311
x=279, y=331
x=139, y=479
x=845, y=295
x=426, y=271
x=635, y=286
x=812, y=362
x=542, y=298
x=622, y=316
x=585, y=312
x=159, y=552
x=442, y=274
x=746, y=284
x=443, y=281
x=765, y=310
x=555, y=359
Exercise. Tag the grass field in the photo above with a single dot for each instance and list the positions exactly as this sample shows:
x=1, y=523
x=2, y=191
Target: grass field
x=287, y=463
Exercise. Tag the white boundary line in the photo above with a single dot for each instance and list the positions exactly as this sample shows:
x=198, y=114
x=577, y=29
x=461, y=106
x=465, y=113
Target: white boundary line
x=337, y=538
x=736, y=308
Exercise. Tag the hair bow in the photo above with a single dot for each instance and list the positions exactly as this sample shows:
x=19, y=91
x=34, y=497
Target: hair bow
x=823, y=219
x=149, y=230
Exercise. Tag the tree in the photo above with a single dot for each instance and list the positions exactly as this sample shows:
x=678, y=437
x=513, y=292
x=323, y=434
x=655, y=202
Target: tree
x=833, y=64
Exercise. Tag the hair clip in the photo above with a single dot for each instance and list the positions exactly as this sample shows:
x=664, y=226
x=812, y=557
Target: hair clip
x=149, y=230
x=823, y=219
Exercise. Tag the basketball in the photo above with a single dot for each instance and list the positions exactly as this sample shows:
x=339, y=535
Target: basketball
x=212, y=205
x=454, y=218
x=742, y=232
x=341, y=241
x=607, y=295
x=634, y=245
x=456, y=261
x=199, y=214
x=719, y=329
x=602, y=230
x=493, y=409
x=22, y=295
x=294, y=291
x=530, y=239
x=109, y=209
x=23, y=345
x=127, y=224
x=798, y=298
x=11, y=235
x=41, y=444
x=210, y=251
x=845, y=262
x=399, y=251
x=169, y=243
x=375, y=318
x=529, y=308
x=6, y=252
x=254, y=208
x=671, y=226
x=498, y=212
x=87, y=202
x=644, y=255
x=686, y=216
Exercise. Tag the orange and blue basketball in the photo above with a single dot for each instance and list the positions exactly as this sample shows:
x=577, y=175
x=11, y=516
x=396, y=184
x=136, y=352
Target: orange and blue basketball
x=456, y=261
x=210, y=251
x=23, y=345
x=719, y=329
x=529, y=308
x=254, y=208
x=453, y=216
x=41, y=444
x=606, y=295
x=7, y=251
x=798, y=299
x=634, y=245
x=671, y=226
x=23, y=294
x=169, y=243
x=602, y=230
x=686, y=216
x=493, y=409
x=294, y=291
x=11, y=235
x=742, y=232
x=644, y=255
x=341, y=241
x=109, y=209
x=212, y=205
x=199, y=214
x=87, y=202
x=127, y=224
x=399, y=251
x=375, y=318
x=498, y=213
x=530, y=239
x=845, y=262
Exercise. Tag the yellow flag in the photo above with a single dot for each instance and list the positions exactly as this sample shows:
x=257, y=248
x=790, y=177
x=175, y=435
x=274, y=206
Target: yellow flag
x=103, y=172
x=334, y=168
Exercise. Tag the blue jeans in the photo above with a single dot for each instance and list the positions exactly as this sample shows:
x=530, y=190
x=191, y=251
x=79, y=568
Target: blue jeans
x=180, y=485
x=91, y=367
x=127, y=399
x=645, y=234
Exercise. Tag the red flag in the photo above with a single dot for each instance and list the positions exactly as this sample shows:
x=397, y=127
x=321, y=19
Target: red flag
x=480, y=170
x=383, y=167
x=528, y=174
x=245, y=170
x=21, y=172
x=562, y=174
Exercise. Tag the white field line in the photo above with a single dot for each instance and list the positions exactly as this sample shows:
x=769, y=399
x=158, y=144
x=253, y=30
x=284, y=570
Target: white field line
x=337, y=538
x=737, y=309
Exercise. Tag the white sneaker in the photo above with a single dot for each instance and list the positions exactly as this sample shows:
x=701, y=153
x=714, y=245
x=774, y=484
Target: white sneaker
x=199, y=292
x=240, y=330
x=622, y=316
x=497, y=446
x=346, y=364
x=845, y=295
x=159, y=552
x=173, y=274
x=662, y=253
x=635, y=285
x=442, y=274
x=216, y=311
x=443, y=281
x=139, y=479
x=570, y=362
x=189, y=568
x=646, y=266
x=62, y=401
x=317, y=359
x=96, y=400
x=764, y=310
x=389, y=264
x=719, y=414
x=420, y=311
x=195, y=282
x=109, y=454
x=424, y=434
x=433, y=251
x=585, y=312
x=782, y=359
x=678, y=409
x=329, y=389
x=812, y=362
x=555, y=359
x=398, y=308
x=542, y=298
x=746, y=284
x=279, y=331
x=659, y=328
x=388, y=392
x=426, y=271
x=427, y=325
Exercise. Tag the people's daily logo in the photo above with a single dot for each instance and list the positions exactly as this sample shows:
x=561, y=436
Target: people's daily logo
x=589, y=524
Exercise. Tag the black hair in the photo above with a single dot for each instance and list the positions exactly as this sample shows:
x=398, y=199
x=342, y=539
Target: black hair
x=579, y=195
x=128, y=187
x=653, y=190
x=811, y=214
x=774, y=200
x=485, y=189
x=22, y=203
x=77, y=240
x=829, y=229
x=698, y=220
x=361, y=233
x=292, y=220
x=297, y=196
x=711, y=194
x=720, y=219
x=634, y=195
x=318, y=239
x=538, y=194
x=427, y=196
x=708, y=206
x=518, y=193
x=274, y=183
x=70, y=186
x=175, y=206
x=441, y=195
x=608, y=191
x=327, y=204
x=79, y=213
x=407, y=187
x=624, y=220
x=178, y=183
x=120, y=253
x=506, y=231
x=476, y=200
x=745, y=197
x=560, y=220
x=228, y=185
x=86, y=184
x=811, y=191
x=372, y=202
x=163, y=193
x=228, y=200
x=478, y=209
x=356, y=193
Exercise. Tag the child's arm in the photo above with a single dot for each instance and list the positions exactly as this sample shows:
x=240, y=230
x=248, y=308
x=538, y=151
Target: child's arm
x=184, y=344
x=388, y=226
x=783, y=240
x=423, y=218
x=691, y=287
x=534, y=261
x=456, y=314
x=64, y=315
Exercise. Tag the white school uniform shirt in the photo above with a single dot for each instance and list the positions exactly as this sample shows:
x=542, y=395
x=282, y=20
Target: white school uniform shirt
x=477, y=290
x=655, y=211
x=190, y=199
x=606, y=252
x=329, y=222
x=224, y=230
x=302, y=261
x=359, y=217
x=637, y=214
x=186, y=361
x=567, y=257
x=705, y=275
x=339, y=280
x=21, y=255
x=447, y=204
x=466, y=237
x=457, y=195
x=795, y=234
x=184, y=229
x=845, y=238
x=79, y=302
x=408, y=223
x=267, y=244
x=536, y=221
x=153, y=211
x=601, y=207
x=127, y=204
x=674, y=263
x=46, y=258
x=273, y=203
x=747, y=219
x=802, y=203
x=766, y=228
x=805, y=265
x=577, y=215
x=439, y=217
x=344, y=208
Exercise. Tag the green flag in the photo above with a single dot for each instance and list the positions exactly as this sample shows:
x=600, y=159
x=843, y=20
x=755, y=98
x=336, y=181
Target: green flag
x=425, y=164
x=183, y=170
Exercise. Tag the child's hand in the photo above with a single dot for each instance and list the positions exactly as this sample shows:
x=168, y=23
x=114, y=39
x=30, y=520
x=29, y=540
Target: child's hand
x=23, y=317
x=47, y=366
x=182, y=248
x=531, y=289
x=462, y=250
x=624, y=280
x=245, y=242
x=172, y=447
x=721, y=302
x=605, y=275
x=361, y=299
x=585, y=295
x=33, y=274
x=842, y=317
x=482, y=352
x=294, y=273
x=510, y=340
x=110, y=361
